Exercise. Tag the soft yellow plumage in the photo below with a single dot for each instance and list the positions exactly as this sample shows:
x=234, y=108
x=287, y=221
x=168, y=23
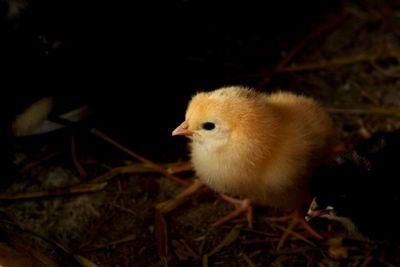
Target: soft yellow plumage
x=263, y=146
x=258, y=146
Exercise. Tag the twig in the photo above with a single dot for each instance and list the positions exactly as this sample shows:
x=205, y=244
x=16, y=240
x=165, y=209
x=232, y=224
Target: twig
x=387, y=73
x=189, y=249
x=179, y=167
x=161, y=237
x=301, y=44
x=76, y=189
x=296, y=235
x=337, y=62
x=259, y=241
x=367, y=261
x=314, y=34
x=248, y=260
x=126, y=239
x=16, y=224
x=84, y=262
x=77, y=164
x=97, y=224
x=228, y=239
x=22, y=246
x=169, y=205
x=123, y=209
x=151, y=164
x=172, y=168
x=375, y=110
x=205, y=260
x=121, y=170
x=290, y=250
x=259, y=232
x=35, y=163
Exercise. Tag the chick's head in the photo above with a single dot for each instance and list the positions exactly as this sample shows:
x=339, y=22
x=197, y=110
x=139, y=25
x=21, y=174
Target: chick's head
x=212, y=118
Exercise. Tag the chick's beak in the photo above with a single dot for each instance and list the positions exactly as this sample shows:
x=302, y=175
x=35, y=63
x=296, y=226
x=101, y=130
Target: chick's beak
x=182, y=130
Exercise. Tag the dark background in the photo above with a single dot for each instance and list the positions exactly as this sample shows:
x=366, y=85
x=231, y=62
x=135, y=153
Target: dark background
x=138, y=63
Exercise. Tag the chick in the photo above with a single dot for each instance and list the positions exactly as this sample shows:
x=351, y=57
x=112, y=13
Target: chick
x=258, y=146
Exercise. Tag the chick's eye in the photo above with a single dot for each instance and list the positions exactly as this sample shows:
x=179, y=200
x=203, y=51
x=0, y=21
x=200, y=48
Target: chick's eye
x=208, y=126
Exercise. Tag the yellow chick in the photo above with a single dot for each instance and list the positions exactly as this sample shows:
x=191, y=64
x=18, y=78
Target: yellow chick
x=259, y=146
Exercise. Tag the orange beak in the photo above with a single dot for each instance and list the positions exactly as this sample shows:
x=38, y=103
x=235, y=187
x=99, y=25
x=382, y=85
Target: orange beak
x=182, y=130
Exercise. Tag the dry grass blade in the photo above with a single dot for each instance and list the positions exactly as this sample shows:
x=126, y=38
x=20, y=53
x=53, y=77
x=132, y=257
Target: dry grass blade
x=76, y=189
x=172, y=168
x=337, y=62
x=161, y=237
x=374, y=110
x=27, y=249
x=367, y=261
x=180, y=167
x=205, y=260
x=248, y=260
x=229, y=239
x=171, y=204
x=35, y=163
x=315, y=33
x=301, y=44
x=129, y=238
x=151, y=164
x=29, y=231
x=84, y=262
x=10, y=257
x=287, y=251
x=77, y=164
x=34, y=253
x=297, y=235
x=41, y=257
x=122, y=170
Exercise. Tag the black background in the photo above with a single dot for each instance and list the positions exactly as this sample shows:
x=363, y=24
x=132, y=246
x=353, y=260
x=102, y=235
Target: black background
x=138, y=62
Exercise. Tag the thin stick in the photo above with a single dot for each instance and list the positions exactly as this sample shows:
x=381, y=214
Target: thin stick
x=77, y=164
x=248, y=260
x=315, y=33
x=126, y=239
x=375, y=110
x=76, y=189
x=228, y=239
x=140, y=169
x=16, y=224
x=295, y=235
x=35, y=163
x=301, y=44
x=337, y=62
x=161, y=234
x=150, y=163
x=169, y=205
x=180, y=167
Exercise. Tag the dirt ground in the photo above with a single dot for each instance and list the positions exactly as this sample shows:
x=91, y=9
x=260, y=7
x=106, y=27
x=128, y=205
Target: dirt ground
x=95, y=205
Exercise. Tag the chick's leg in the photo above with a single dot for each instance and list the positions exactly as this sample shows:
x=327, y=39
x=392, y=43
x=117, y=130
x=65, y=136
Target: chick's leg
x=294, y=219
x=242, y=206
